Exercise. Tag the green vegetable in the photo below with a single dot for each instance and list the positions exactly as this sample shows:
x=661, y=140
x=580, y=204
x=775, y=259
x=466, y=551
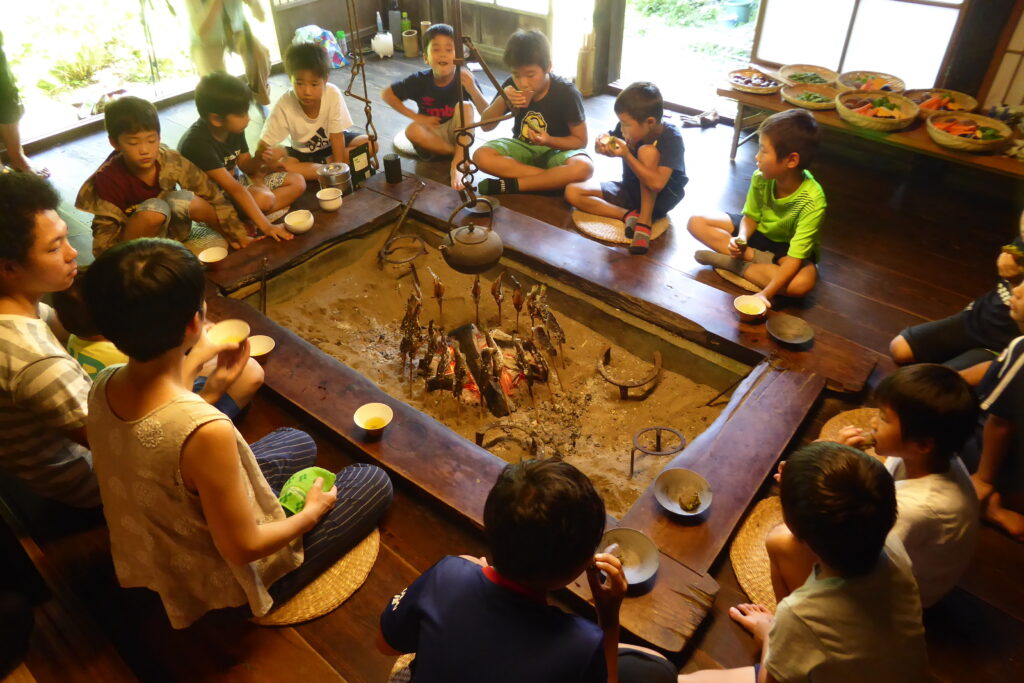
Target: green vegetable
x=989, y=133
x=807, y=77
x=814, y=97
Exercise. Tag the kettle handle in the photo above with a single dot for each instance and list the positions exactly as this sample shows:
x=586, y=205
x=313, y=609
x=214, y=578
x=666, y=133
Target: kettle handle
x=471, y=199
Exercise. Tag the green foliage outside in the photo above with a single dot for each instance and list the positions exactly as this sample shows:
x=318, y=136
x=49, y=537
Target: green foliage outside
x=679, y=12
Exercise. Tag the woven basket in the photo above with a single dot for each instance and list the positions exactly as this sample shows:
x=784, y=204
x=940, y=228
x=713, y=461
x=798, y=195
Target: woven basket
x=749, y=556
x=851, y=80
x=829, y=75
x=792, y=93
x=968, y=103
x=749, y=88
x=907, y=107
x=950, y=141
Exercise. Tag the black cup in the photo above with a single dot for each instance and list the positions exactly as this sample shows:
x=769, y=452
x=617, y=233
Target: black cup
x=392, y=168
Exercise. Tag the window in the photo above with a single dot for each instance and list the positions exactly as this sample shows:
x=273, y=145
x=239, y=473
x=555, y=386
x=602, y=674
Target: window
x=907, y=38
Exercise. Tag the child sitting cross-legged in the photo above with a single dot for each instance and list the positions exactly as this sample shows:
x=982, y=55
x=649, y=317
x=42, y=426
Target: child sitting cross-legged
x=435, y=92
x=216, y=144
x=926, y=413
x=857, y=616
x=193, y=511
x=775, y=242
x=653, y=174
x=312, y=117
x=95, y=352
x=145, y=189
x=468, y=620
x=548, y=148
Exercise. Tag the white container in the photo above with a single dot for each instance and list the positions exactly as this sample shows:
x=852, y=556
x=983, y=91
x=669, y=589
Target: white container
x=676, y=485
x=330, y=198
x=260, y=345
x=212, y=255
x=299, y=222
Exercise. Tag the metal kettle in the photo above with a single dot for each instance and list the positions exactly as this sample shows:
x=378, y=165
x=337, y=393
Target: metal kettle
x=472, y=249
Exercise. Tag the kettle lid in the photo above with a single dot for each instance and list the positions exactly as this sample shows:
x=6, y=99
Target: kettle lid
x=470, y=234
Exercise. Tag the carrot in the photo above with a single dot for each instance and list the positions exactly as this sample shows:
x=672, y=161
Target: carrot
x=866, y=110
x=933, y=102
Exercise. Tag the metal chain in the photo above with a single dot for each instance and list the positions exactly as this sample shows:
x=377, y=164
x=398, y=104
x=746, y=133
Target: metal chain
x=358, y=70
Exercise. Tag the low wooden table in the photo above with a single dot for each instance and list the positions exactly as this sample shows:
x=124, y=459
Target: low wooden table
x=915, y=138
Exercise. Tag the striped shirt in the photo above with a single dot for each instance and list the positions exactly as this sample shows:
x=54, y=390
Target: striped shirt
x=1003, y=385
x=43, y=395
x=794, y=219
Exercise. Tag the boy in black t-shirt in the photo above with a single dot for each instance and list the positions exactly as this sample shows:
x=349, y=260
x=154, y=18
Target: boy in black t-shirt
x=976, y=334
x=468, y=620
x=653, y=173
x=216, y=144
x=435, y=92
x=548, y=149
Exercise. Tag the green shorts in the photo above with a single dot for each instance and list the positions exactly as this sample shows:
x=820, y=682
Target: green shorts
x=533, y=155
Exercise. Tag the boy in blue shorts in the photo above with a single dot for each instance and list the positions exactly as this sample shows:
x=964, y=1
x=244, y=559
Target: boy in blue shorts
x=775, y=243
x=435, y=92
x=216, y=144
x=468, y=620
x=548, y=150
x=312, y=117
x=653, y=173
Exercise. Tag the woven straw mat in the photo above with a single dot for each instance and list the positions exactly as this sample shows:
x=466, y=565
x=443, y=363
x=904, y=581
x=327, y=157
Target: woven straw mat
x=612, y=229
x=749, y=555
x=203, y=237
x=741, y=282
x=330, y=589
x=859, y=417
x=400, y=672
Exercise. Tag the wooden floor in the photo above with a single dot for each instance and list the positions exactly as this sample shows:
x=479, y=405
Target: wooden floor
x=906, y=240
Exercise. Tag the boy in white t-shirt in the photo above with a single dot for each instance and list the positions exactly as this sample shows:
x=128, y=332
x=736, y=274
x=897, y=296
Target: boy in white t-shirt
x=857, y=616
x=926, y=413
x=312, y=117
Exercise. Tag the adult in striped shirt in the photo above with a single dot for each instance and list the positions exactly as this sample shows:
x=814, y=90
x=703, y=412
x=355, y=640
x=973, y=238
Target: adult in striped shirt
x=43, y=391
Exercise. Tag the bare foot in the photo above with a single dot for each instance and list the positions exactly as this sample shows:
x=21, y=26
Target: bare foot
x=1010, y=521
x=755, y=618
x=20, y=162
x=982, y=488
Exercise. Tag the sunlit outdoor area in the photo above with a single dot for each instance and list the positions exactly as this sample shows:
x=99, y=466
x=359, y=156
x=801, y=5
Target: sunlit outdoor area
x=69, y=58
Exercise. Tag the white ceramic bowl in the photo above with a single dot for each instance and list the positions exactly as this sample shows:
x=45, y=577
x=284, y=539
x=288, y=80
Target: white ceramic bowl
x=231, y=331
x=373, y=417
x=637, y=552
x=212, y=255
x=299, y=221
x=679, y=483
x=330, y=198
x=261, y=345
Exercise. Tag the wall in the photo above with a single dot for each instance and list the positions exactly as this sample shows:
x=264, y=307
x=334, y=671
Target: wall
x=328, y=14
x=976, y=44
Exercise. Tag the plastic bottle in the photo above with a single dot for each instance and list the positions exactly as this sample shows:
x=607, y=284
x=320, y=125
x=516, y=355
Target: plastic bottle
x=342, y=45
x=406, y=23
x=380, y=24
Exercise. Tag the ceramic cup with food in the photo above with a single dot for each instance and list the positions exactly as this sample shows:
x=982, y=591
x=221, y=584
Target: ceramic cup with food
x=231, y=331
x=213, y=255
x=298, y=222
x=330, y=198
x=372, y=418
x=750, y=308
x=260, y=345
x=682, y=491
x=636, y=551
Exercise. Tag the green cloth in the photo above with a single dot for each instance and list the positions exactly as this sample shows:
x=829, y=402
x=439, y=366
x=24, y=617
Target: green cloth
x=533, y=155
x=795, y=219
x=93, y=356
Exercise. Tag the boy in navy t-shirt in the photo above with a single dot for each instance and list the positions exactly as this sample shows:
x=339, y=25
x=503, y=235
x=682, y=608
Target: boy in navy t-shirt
x=438, y=114
x=547, y=149
x=467, y=620
x=653, y=173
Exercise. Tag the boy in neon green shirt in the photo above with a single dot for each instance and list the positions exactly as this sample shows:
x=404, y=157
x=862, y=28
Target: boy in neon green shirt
x=775, y=242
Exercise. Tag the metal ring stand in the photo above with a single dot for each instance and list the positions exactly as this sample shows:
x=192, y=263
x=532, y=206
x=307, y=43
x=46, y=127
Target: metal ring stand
x=657, y=450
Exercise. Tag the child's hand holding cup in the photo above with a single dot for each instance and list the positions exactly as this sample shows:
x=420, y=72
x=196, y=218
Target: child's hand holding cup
x=518, y=98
